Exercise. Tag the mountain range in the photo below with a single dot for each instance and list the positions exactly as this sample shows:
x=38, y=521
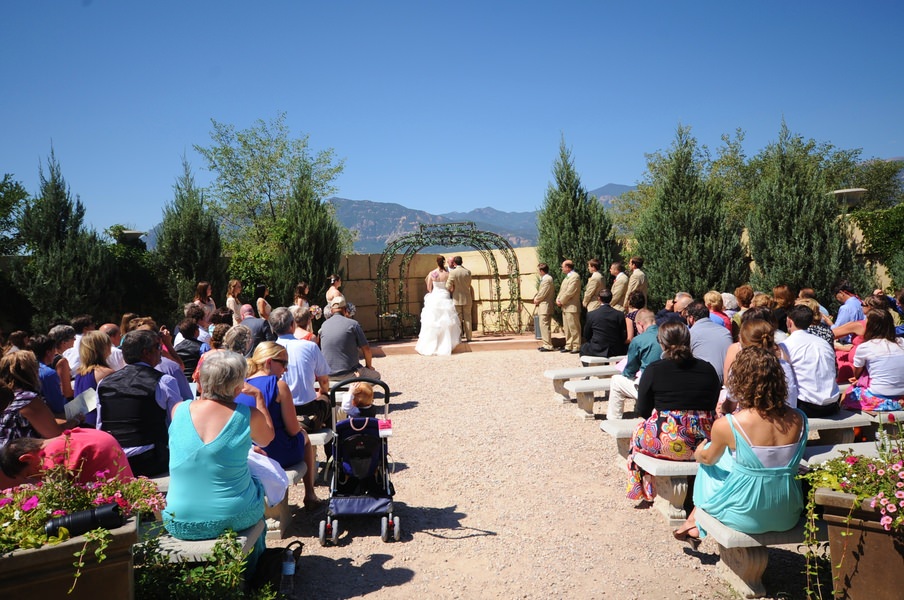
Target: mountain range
x=376, y=223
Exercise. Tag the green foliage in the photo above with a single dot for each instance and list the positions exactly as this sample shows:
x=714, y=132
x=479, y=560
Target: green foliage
x=572, y=224
x=12, y=198
x=882, y=231
x=311, y=242
x=798, y=232
x=685, y=236
x=895, y=266
x=220, y=576
x=881, y=180
x=188, y=242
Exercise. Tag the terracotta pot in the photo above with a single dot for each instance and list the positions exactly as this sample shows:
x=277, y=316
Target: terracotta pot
x=48, y=572
x=868, y=563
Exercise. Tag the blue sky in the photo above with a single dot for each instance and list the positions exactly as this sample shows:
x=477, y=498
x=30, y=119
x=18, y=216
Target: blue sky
x=439, y=106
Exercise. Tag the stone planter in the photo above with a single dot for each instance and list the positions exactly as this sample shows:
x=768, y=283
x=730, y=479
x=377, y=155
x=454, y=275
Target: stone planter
x=48, y=572
x=868, y=563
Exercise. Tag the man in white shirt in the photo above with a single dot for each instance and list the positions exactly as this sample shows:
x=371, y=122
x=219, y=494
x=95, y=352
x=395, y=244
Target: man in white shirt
x=82, y=325
x=116, y=361
x=814, y=365
x=306, y=365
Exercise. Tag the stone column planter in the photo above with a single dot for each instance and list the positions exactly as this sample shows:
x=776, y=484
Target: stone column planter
x=47, y=572
x=868, y=563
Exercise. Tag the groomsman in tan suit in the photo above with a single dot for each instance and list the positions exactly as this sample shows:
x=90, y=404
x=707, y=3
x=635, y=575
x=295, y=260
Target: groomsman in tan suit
x=544, y=300
x=638, y=280
x=619, y=285
x=460, y=282
x=594, y=286
x=569, y=299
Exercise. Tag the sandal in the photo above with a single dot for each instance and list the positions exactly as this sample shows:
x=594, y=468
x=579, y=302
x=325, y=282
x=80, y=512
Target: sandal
x=684, y=536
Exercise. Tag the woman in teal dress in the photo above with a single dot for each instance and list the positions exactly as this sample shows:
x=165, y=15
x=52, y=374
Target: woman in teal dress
x=211, y=489
x=748, y=472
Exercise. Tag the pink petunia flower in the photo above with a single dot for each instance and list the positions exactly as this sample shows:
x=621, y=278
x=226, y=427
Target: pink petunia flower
x=880, y=472
x=885, y=521
x=30, y=503
x=891, y=507
x=891, y=417
x=852, y=460
x=899, y=494
x=5, y=501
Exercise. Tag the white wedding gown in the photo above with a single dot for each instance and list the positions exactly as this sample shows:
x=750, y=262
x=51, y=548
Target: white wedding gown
x=440, y=327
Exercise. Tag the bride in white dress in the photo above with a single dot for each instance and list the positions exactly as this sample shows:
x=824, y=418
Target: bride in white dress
x=440, y=327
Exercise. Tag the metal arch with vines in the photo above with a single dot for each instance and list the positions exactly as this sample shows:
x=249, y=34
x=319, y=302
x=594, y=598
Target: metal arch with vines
x=450, y=234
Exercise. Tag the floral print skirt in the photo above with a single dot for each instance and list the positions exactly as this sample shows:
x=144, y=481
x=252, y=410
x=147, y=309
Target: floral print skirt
x=672, y=435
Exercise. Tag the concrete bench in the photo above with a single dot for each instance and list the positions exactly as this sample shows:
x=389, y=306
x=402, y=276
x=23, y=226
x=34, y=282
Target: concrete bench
x=743, y=556
x=196, y=551
x=670, y=480
x=278, y=517
x=585, y=391
x=600, y=360
x=623, y=431
x=838, y=428
x=814, y=455
x=560, y=376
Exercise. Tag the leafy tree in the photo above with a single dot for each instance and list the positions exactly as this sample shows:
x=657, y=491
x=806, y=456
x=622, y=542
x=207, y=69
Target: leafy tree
x=572, y=224
x=310, y=240
x=685, y=235
x=188, y=241
x=12, y=197
x=798, y=232
x=883, y=182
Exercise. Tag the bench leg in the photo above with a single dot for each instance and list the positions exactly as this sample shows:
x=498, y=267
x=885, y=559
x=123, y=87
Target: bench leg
x=585, y=405
x=670, y=495
x=836, y=436
x=743, y=569
x=278, y=518
x=562, y=395
x=624, y=446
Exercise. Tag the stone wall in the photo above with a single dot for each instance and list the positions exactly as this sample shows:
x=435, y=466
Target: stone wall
x=360, y=283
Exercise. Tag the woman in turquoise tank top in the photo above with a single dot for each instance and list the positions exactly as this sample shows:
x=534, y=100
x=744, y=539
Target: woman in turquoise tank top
x=211, y=488
x=748, y=471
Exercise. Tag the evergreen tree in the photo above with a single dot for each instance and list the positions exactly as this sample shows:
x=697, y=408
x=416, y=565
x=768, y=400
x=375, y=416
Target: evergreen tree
x=12, y=197
x=311, y=242
x=572, y=224
x=687, y=241
x=798, y=232
x=188, y=241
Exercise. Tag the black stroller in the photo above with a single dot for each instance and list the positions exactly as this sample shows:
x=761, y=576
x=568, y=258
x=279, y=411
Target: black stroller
x=359, y=478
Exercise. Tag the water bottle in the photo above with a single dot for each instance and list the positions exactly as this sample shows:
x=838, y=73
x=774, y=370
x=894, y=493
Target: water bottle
x=287, y=581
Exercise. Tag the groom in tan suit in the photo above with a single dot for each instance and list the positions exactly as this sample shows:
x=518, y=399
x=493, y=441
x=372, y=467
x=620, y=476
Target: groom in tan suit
x=460, y=282
x=569, y=299
x=545, y=299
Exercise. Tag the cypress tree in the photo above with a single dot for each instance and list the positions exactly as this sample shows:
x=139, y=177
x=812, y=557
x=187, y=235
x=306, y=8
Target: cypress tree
x=685, y=236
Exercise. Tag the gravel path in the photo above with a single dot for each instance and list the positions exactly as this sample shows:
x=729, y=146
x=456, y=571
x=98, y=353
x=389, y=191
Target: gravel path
x=504, y=493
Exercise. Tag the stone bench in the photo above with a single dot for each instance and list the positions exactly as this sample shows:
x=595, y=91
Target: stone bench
x=670, y=482
x=585, y=391
x=743, y=556
x=622, y=430
x=196, y=551
x=560, y=376
x=838, y=428
x=814, y=455
x=601, y=360
x=278, y=517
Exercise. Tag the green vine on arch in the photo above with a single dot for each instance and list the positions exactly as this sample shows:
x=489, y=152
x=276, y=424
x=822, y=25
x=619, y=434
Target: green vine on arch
x=449, y=234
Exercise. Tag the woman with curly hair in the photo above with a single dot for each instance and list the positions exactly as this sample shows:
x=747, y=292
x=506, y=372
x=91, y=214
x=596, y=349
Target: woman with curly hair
x=677, y=396
x=23, y=412
x=748, y=471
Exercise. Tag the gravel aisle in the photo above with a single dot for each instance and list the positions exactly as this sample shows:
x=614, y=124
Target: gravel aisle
x=503, y=493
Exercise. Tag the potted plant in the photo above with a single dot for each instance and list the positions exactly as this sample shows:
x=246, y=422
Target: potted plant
x=861, y=499
x=38, y=563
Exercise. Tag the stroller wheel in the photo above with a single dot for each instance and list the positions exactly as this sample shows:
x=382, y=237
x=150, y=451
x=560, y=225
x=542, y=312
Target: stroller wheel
x=323, y=533
x=334, y=536
x=384, y=529
x=396, y=529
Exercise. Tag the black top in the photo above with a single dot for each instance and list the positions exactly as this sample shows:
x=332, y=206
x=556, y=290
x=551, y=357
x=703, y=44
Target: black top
x=668, y=385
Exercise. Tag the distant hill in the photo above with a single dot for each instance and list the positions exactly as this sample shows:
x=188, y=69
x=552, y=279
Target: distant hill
x=610, y=192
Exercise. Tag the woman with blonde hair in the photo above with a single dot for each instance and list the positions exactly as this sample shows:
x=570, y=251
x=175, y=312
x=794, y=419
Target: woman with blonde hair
x=713, y=301
x=93, y=353
x=232, y=300
x=290, y=443
x=23, y=412
x=759, y=332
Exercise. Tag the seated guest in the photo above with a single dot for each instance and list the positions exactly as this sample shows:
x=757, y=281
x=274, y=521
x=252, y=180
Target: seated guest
x=42, y=347
x=783, y=300
x=306, y=365
x=853, y=331
x=63, y=337
x=85, y=452
x=709, y=341
x=851, y=307
x=134, y=404
x=818, y=328
x=748, y=472
x=302, y=318
x=216, y=345
x=606, y=329
x=211, y=488
x=193, y=311
x=675, y=309
x=24, y=413
x=713, y=301
x=759, y=332
x=94, y=351
x=189, y=349
x=260, y=328
x=290, y=443
x=637, y=300
x=643, y=350
x=82, y=324
x=359, y=400
x=814, y=366
x=116, y=361
x=677, y=396
x=340, y=340
x=810, y=294
x=881, y=357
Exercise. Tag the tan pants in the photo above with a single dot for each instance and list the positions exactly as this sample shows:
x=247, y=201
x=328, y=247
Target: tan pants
x=545, y=331
x=620, y=389
x=571, y=322
x=464, y=315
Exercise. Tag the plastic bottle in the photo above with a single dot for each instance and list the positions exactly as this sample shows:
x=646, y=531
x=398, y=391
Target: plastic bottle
x=287, y=581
